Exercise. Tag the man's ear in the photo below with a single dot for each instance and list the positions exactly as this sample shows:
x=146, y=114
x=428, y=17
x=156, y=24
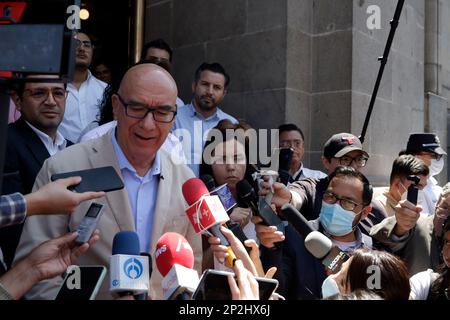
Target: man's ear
x=326, y=164
x=115, y=106
x=17, y=100
x=193, y=85
x=366, y=212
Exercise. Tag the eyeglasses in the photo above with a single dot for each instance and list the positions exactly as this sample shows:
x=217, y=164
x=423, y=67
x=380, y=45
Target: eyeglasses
x=347, y=204
x=41, y=94
x=360, y=161
x=135, y=110
x=290, y=143
x=86, y=44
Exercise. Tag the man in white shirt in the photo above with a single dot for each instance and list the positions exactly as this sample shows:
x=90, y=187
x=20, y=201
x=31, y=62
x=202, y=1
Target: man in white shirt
x=32, y=139
x=291, y=136
x=85, y=92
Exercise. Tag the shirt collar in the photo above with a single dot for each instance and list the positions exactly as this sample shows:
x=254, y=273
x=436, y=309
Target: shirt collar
x=194, y=113
x=60, y=142
x=296, y=175
x=125, y=164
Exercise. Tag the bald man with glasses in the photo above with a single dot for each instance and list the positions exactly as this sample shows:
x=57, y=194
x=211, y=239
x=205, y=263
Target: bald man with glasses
x=151, y=202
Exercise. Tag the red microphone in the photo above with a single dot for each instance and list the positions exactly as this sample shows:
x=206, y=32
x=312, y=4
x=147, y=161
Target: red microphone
x=206, y=212
x=174, y=259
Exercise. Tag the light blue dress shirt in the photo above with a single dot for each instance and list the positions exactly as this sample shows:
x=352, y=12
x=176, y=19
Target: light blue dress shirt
x=142, y=193
x=192, y=130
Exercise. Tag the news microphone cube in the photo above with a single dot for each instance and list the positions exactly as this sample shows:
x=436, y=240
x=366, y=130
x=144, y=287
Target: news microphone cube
x=178, y=280
x=129, y=273
x=206, y=212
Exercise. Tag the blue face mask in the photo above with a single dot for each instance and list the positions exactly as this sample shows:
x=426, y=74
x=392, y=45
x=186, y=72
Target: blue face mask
x=335, y=220
x=329, y=288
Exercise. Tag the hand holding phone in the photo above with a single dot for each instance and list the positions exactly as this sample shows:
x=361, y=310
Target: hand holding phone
x=413, y=190
x=89, y=223
x=96, y=179
x=81, y=283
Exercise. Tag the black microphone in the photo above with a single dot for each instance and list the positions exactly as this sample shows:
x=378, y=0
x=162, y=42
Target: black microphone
x=284, y=164
x=298, y=221
x=320, y=246
x=247, y=195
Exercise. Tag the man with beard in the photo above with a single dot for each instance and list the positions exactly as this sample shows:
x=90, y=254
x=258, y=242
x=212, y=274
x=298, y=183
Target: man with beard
x=85, y=92
x=194, y=120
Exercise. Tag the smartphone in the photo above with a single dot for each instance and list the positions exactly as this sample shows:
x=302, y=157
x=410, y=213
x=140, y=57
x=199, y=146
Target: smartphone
x=97, y=179
x=413, y=190
x=214, y=286
x=89, y=223
x=81, y=283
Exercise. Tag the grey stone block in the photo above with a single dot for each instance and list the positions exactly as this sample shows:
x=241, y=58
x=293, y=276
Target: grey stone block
x=406, y=92
x=330, y=114
x=204, y=20
x=261, y=109
x=331, y=16
x=186, y=61
x=254, y=61
x=266, y=14
x=366, y=66
x=299, y=15
x=158, y=22
x=332, y=56
x=299, y=69
x=298, y=111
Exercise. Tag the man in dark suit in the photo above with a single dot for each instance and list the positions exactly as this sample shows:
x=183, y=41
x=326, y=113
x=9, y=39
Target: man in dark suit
x=32, y=139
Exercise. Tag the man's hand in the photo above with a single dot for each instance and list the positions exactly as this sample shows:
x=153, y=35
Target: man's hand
x=281, y=194
x=406, y=215
x=55, y=198
x=267, y=235
x=241, y=216
x=48, y=260
x=248, y=288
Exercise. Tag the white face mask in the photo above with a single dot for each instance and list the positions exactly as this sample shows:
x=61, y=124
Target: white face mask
x=329, y=287
x=436, y=166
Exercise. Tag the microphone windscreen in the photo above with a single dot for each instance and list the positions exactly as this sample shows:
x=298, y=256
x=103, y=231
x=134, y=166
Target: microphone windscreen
x=193, y=189
x=209, y=182
x=172, y=248
x=318, y=244
x=126, y=242
x=244, y=189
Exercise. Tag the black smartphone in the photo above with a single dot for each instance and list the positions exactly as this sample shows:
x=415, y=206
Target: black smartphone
x=81, y=283
x=214, y=286
x=97, y=179
x=413, y=190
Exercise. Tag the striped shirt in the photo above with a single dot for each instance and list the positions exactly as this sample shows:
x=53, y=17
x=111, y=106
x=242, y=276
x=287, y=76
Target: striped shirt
x=13, y=209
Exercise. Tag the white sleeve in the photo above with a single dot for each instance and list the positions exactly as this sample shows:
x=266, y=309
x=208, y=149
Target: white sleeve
x=420, y=285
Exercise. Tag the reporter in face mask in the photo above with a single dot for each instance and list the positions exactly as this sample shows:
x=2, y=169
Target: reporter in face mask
x=375, y=271
x=427, y=147
x=413, y=237
x=403, y=166
x=346, y=202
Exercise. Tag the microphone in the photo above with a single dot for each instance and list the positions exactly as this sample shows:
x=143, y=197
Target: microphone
x=223, y=192
x=206, y=213
x=285, y=160
x=247, y=195
x=129, y=271
x=296, y=219
x=320, y=246
x=227, y=199
x=323, y=249
x=174, y=259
